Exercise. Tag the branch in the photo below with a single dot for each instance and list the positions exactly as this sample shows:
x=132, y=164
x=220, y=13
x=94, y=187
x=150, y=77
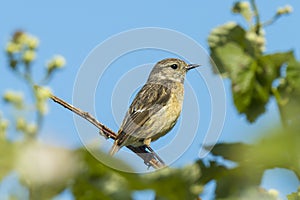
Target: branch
x=256, y=15
x=106, y=132
x=271, y=21
x=151, y=159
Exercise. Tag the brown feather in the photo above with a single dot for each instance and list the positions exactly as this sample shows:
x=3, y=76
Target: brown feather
x=150, y=99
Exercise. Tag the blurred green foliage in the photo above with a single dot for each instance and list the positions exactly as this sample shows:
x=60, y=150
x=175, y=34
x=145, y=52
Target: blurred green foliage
x=294, y=195
x=277, y=150
x=97, y=181
x=256, y=76
x=239, y=54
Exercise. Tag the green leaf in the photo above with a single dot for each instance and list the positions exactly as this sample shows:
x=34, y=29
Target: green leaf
x=267, y=70
x=294, y=195
x=242, y=83
x=270, y=66
x=213, y=171
x=97, y=181
x=249, y=95
x=175, y=183
x=293, y=74
x=237, y=54
x=231, y=151
x=7, y=150
x=289, y=90
x=279, y=150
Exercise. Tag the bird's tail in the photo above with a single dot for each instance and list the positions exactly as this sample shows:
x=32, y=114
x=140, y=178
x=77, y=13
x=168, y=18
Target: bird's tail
x=114, y=149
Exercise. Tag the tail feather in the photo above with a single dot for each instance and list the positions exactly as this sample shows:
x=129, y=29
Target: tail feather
x=114, y=149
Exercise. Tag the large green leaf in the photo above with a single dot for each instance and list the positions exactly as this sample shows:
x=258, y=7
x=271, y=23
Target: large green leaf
x=266, y=70
x=251, y=73
x=279, y=150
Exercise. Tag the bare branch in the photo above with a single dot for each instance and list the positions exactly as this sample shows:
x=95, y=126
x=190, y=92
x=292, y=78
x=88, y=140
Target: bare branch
x=151, y=159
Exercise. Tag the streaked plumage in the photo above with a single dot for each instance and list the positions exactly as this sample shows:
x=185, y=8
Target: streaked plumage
x=157, y=106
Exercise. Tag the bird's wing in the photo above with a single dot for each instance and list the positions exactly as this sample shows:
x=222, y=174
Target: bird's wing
x=149, y=100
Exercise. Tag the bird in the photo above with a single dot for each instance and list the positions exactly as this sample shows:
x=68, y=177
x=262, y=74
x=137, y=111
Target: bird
x=156, y=107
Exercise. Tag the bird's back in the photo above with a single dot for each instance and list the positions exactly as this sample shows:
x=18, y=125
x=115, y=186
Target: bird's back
x=152, y=114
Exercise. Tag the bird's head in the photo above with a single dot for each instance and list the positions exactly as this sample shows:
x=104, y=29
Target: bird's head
x=170, y=69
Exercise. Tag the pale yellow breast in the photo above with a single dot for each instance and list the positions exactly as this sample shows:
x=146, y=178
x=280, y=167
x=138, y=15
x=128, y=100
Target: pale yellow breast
x=171, y=112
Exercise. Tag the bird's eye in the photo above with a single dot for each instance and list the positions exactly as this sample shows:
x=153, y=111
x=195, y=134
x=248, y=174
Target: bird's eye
x=174, y=66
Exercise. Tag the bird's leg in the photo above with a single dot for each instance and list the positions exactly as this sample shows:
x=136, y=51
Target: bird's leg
x=147, y=156
x=151, y=154
x=147, y=142
x=155, y=155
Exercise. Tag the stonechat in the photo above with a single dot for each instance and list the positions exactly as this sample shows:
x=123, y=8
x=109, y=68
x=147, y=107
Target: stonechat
x=156, y=107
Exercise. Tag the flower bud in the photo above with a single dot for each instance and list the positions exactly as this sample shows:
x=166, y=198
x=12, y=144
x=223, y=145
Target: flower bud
x=32, y=42
x=57, y=61
x=14, y=98
x=20, y=124
x=251, y=36
x=12, y=48
x=243, y=8
x=285, y=10
x=19, y=37
x=28, y=56
x=3, y=127
x=43, y=93
x=244, y=5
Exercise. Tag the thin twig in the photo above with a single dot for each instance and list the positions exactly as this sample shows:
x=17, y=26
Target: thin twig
x=103, y=129
x=256, y=15
x=150, y=158
x=271, y=21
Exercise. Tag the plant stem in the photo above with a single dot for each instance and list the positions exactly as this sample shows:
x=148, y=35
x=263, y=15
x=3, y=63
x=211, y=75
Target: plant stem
x=271, y=21
x=280, y=104
x=257, y=17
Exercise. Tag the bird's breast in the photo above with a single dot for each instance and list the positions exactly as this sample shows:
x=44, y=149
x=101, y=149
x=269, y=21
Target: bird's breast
x=171, y=111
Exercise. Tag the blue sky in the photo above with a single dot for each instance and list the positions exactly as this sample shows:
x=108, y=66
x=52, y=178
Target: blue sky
x=73, y=29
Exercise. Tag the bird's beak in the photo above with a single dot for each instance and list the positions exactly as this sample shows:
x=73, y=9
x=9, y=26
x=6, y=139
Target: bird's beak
x=192, y=66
